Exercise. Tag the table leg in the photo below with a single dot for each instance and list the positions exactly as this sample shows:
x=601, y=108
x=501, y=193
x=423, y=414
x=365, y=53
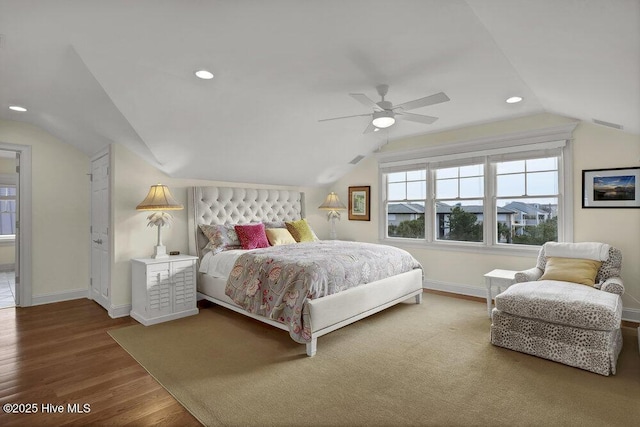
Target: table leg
x=489, y=297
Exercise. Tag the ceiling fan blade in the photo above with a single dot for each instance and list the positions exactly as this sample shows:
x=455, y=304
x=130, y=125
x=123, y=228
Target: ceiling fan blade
x=344, y=117
x=416, y=118
x=423, y=102
x=366, y=101
x=370, y=128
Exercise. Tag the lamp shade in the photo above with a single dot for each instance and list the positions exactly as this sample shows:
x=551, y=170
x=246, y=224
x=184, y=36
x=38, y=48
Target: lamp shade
x=159, y=199
x=332, y=203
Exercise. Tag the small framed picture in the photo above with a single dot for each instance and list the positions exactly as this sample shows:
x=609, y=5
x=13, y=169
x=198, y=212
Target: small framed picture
x=611, y=188
x=359, y=203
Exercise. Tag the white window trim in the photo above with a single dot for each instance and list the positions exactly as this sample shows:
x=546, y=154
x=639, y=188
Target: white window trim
x=541, y=139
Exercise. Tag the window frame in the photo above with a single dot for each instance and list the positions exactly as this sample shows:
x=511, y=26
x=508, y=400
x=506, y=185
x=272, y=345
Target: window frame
x=407, y=199
x=434, y=207
x=555, y=141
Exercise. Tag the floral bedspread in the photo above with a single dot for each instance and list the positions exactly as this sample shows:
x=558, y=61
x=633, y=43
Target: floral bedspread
x=274, y=282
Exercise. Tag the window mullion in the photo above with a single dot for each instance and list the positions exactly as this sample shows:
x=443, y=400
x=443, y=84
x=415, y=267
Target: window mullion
x=430, y=207
x=490, y=178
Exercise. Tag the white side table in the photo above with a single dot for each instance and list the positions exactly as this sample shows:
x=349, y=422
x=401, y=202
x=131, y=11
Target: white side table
x=500, y=279
x=163, y=288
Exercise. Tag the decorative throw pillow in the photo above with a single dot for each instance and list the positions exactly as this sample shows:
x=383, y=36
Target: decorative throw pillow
x=573, y=270
x=300, y=230
x=279, y=236
x=221, y=237
x=252, y=236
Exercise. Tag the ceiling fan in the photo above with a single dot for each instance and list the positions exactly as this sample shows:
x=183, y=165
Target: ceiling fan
x=385, y=113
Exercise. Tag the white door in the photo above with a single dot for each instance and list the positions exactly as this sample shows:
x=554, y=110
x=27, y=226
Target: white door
x=100, y=290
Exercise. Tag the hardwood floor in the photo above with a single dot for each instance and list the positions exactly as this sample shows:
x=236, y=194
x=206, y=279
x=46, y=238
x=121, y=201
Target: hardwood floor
x=61, y=354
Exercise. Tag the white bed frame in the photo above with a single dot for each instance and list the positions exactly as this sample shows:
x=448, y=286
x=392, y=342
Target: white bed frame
x=223, y=205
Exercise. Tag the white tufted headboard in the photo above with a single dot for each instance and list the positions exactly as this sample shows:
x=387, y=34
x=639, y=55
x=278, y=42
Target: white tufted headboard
x=229, y=205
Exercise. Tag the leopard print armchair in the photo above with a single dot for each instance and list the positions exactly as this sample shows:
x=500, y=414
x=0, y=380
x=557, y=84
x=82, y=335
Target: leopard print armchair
x=608, y=278
x=574, y=324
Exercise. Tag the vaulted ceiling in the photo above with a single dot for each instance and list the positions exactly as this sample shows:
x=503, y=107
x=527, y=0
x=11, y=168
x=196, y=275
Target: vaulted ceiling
x=92, y=72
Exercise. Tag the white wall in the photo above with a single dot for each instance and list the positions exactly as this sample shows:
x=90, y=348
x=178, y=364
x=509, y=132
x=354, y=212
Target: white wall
x=131, y=179
x=60, y=211
x=594, y=147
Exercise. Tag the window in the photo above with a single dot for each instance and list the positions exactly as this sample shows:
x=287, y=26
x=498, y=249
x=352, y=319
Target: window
x=459, y=203
x=7, y=210
x=405, y=208
x=527, y=201
x=506, y=194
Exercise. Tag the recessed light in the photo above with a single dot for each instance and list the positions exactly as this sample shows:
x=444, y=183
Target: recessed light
x=17, y=108
x=204, y=74
x=514, y=100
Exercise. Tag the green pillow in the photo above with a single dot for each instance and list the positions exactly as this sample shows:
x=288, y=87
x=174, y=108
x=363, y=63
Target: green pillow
x=300, y=230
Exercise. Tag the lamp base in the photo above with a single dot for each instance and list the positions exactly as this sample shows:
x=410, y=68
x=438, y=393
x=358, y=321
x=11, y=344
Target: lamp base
x=333, y=235
x=160, y=252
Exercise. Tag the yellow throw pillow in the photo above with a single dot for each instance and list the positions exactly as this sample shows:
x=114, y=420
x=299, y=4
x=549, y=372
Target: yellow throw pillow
x=279, y=236
x=300, y=230
x=575, y=270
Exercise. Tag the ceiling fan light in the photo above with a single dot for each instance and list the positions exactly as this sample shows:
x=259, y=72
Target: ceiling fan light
x=383, y=119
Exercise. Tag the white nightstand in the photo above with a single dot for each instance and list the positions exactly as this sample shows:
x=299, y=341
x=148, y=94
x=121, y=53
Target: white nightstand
x=500, y=279
x=163, y=289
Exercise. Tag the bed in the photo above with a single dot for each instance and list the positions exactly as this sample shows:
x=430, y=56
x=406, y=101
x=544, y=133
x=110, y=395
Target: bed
x=319, y=316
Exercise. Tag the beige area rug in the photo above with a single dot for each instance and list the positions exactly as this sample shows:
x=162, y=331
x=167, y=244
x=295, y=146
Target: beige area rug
x=429, y=364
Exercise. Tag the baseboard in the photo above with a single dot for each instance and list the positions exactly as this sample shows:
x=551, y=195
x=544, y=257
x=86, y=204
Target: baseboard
x=628, y=314
x=631, y=314
x=59, y=296
x=119, y=311
x=456, y=288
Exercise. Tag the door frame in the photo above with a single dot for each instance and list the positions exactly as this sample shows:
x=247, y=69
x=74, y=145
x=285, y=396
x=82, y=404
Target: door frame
x=23, y=269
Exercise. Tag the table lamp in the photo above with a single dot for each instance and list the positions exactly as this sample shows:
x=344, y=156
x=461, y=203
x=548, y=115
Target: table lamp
x=333, y=206
x=159, y=199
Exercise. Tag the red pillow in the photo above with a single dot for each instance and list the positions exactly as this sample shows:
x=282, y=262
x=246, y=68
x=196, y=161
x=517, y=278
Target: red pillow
x=252, y=236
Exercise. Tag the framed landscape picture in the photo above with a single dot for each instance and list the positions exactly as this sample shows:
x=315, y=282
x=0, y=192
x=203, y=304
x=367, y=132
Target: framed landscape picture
x=359, y=203
x=611, y=188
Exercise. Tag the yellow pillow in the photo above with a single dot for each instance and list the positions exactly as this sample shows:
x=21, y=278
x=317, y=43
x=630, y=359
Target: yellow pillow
x=574, y=270
x=279, y=236
x=300, y=230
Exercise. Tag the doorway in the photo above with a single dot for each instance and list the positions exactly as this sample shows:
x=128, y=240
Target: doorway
x=9, y=245
x=20, y=157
